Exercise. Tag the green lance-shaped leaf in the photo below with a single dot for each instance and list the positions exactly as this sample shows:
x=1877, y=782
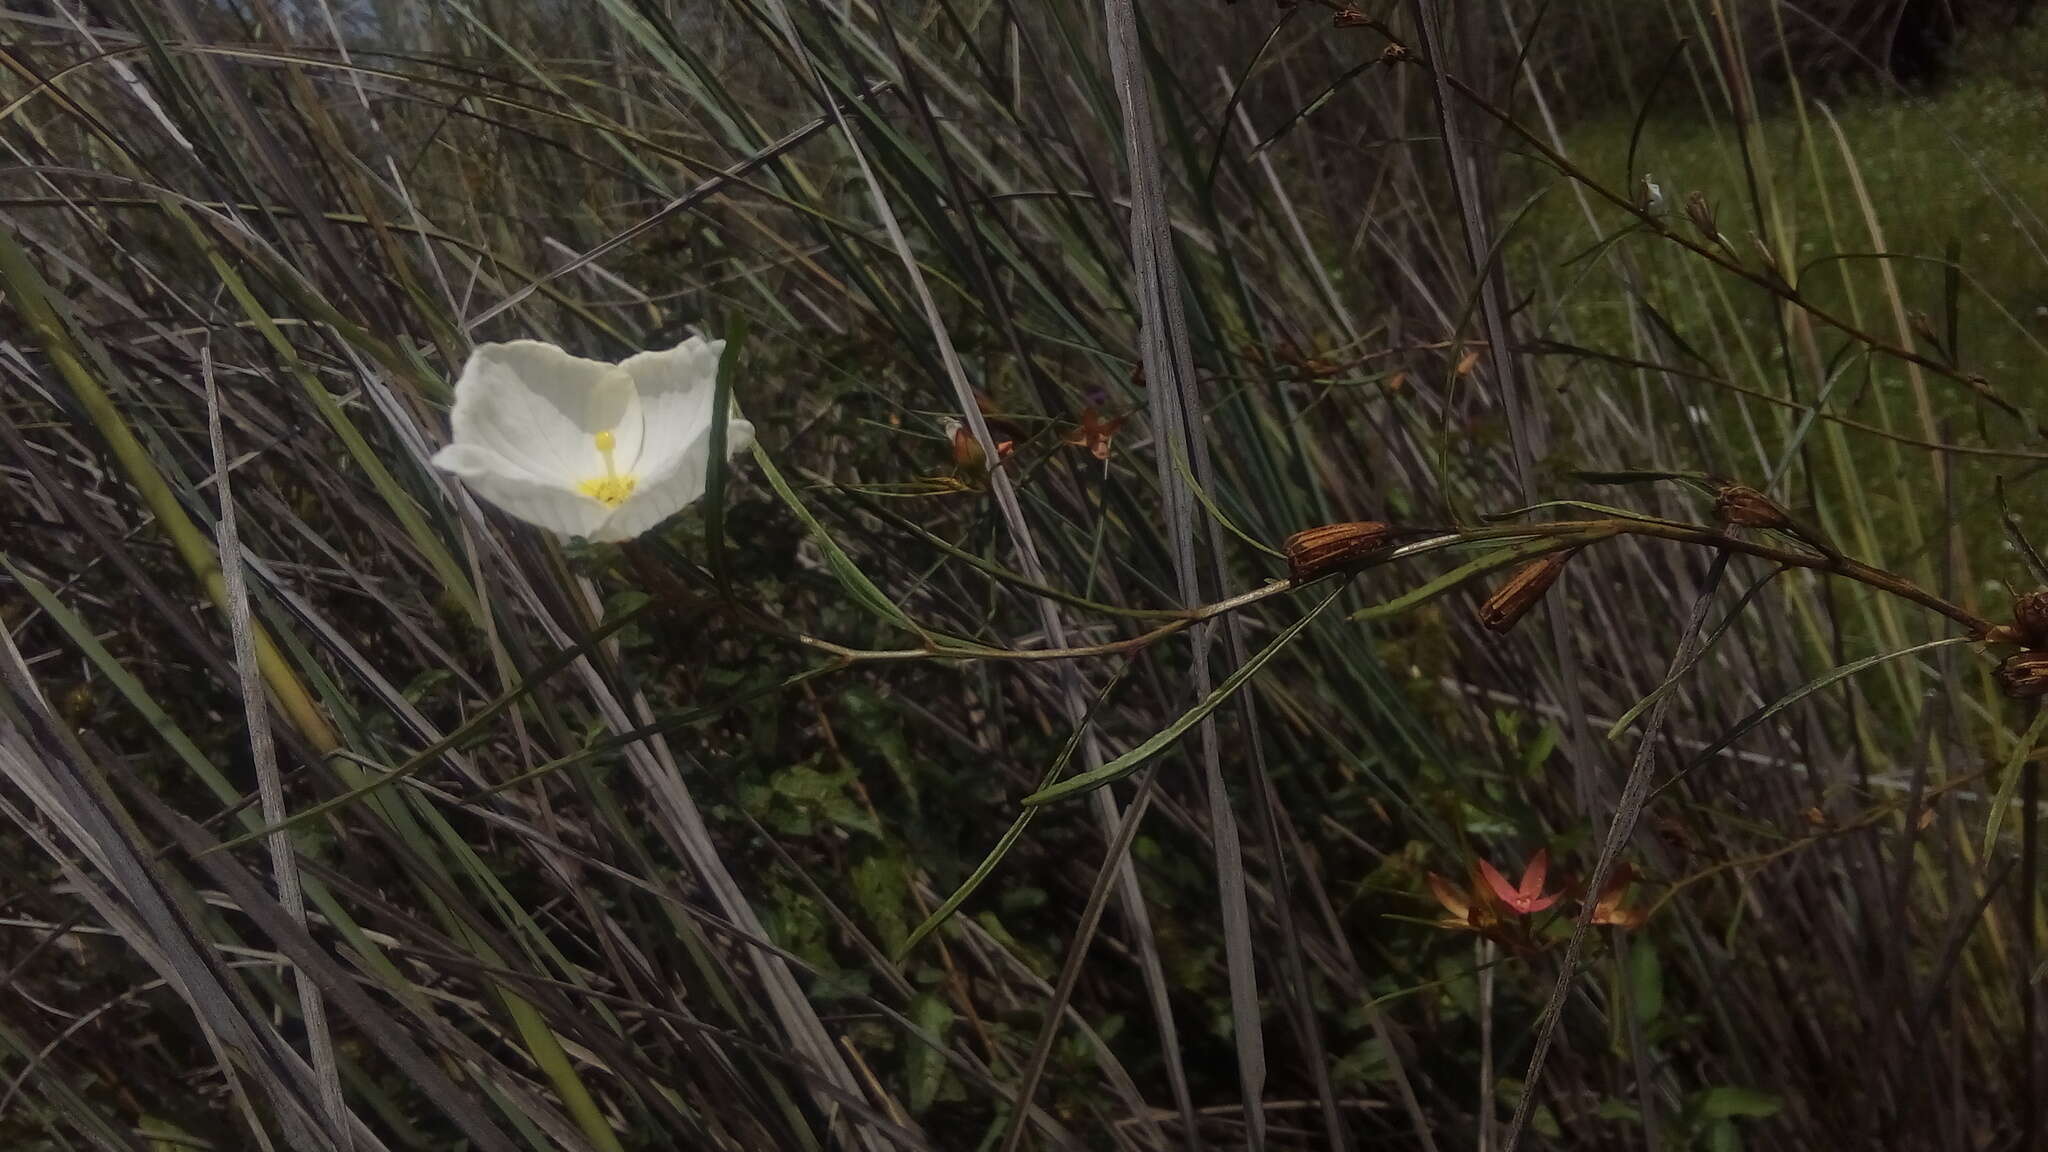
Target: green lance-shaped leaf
x=2009, y=781
x=1834, y=676
x=455, y=739
x=721, y=422
x=1165, y=738
x=850, y=576
x=926, y=1065
x=1015, y=831
x=1498, y=558
x=1641, y=706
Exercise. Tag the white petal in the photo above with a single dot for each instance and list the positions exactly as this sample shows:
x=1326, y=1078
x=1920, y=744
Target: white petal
x=675, y=390
x=541, y=409
x=677, y=485
x=520, y=492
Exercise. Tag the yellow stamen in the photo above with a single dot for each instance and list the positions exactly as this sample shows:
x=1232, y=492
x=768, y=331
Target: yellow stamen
x=610, y=489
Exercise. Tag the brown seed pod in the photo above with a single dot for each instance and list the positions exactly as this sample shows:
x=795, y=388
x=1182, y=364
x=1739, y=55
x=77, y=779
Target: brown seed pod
x=2030, y=617
x=2024, y=675
x=1316, y=552
x=1741, y=505
x=1702, y=215
x=1512, y=600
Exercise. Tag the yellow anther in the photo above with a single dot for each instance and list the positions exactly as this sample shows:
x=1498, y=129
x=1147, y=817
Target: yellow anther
x=611, y=489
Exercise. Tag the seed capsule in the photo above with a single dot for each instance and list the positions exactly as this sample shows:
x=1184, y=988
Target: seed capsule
x=2030, y=617
x=1923, y=327
x=1702, y=215
x=1739, y=504
x=1316, y=552
x=2024, y=675
x=1512, y=600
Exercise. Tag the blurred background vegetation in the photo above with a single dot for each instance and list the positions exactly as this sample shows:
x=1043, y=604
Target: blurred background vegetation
x=591, y=849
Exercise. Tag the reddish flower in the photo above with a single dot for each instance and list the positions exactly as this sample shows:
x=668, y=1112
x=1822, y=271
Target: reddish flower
x=1094, y=433
x=1528, y=897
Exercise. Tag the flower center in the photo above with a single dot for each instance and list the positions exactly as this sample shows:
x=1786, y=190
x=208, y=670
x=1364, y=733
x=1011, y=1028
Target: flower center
x=610, y=489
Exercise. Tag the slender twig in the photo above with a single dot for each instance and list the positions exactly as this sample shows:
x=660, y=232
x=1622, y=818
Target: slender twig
x=1721, y=256
x=1836, y=565
x=2030, y=1044
x=946, y=651
x=1589, y=530
x=1634, y=794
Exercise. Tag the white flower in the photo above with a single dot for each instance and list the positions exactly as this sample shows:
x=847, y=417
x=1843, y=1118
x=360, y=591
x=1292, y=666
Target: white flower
x=586, y=448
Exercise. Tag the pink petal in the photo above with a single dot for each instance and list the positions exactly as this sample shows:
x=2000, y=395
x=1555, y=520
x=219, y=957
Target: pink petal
x=1499, y=883
x=1532, y=876
x=1539, y=903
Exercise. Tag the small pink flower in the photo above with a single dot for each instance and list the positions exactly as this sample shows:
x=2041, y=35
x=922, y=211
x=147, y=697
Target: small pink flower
x=1528, y=897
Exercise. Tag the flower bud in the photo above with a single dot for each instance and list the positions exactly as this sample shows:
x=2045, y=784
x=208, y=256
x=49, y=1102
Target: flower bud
x=1316, y=552
x=1702, y=215
x=2024, y=675
x=2030, y=618
x=1512, y=600
x=1923, y=327
x=1741, y=505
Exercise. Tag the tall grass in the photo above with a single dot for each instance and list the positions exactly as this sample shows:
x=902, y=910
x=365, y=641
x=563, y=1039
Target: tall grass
x=886, y=800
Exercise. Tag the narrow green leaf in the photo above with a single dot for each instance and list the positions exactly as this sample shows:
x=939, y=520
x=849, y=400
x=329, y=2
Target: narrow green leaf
x=433, y=752
x=1629, y=717
x=925, y=1064
x=126, y=683
x=1498, y=558
x=1724, y=1101
x=2009, y=779
x=1645, y=981
x=721, y=420
x=1834, y=676
x=1163, y=739
x=849, y=574
x=1011, y=835
x=1217, y=514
